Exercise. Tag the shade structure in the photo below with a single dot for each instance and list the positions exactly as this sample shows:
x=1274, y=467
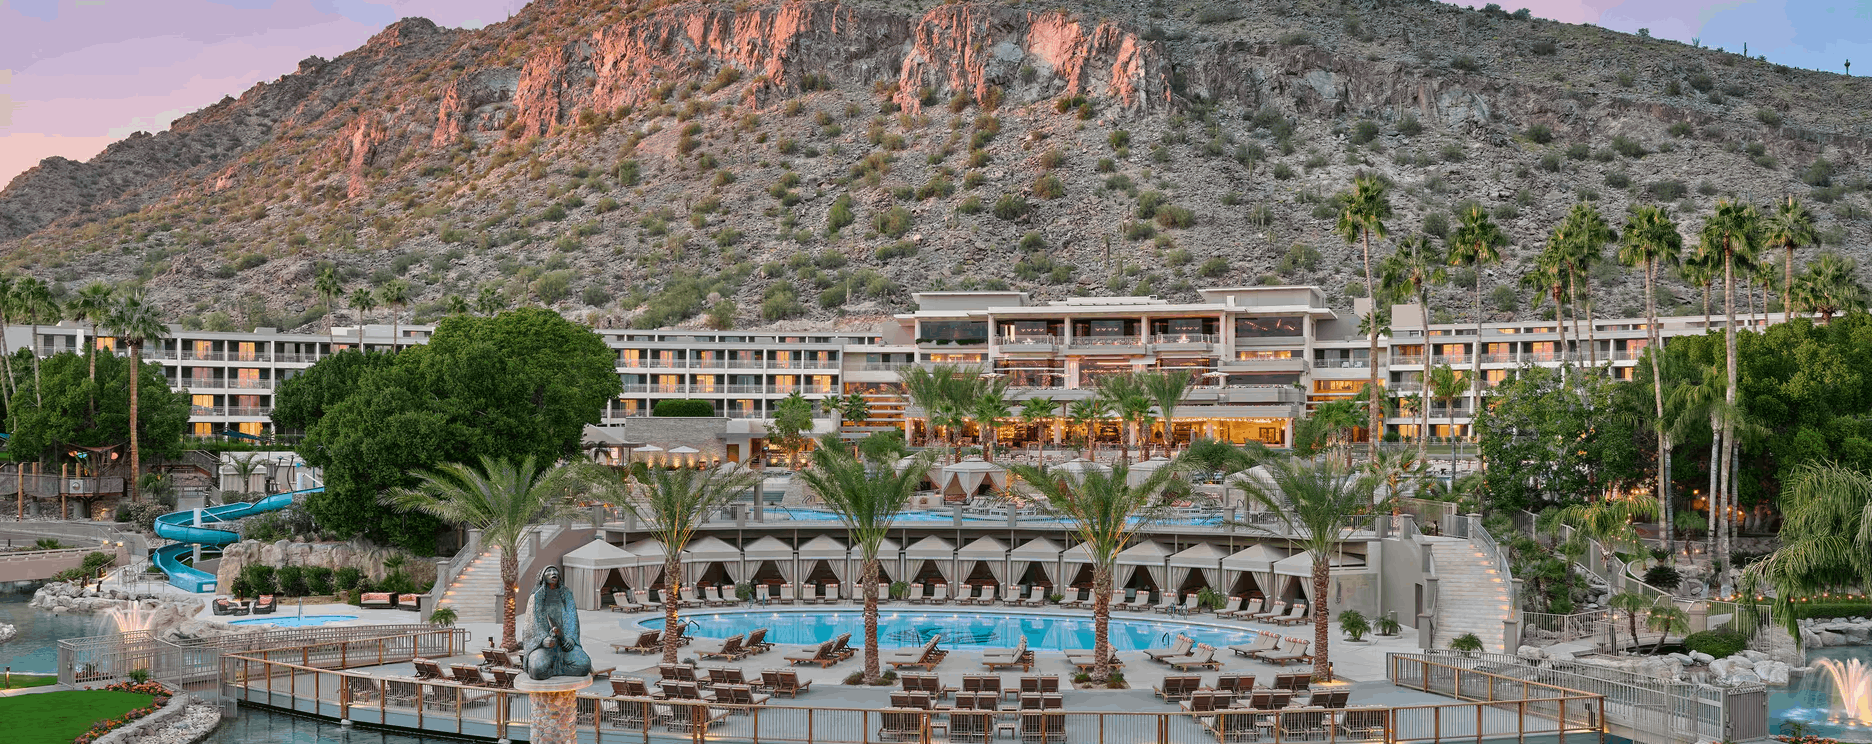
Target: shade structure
x=1257, y=560
x=649, y=555
x=1146, y=556
x=931, y=549
x=1077, y=467
x=586, y=568
x=1252, y=480
x=1142, y=471
x=704, y=552
x=1297, y=571
x=1040, y=551
x=984, y=550
x=1072, y=560
x=767, y=551
x=904, y=464
x=1201, y=557
x=817, y=550
x=684, y=450
x=890, y=560
x=970, y=477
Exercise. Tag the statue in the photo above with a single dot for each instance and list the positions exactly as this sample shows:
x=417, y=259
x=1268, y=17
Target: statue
x=552, y=645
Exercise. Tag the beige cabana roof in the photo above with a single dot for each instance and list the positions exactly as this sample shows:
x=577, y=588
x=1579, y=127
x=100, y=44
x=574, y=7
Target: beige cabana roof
x=1037, y=549
x=1076, y=554
x=983, y=549
x=1079, y=466
x=888, y=550
x=1143, y=554
x=1301, y=564
x=931, y=547
x=967, y=477
x=1258, y=557
x=1142, y=471
x=649, y=551
x=708, y=550
x=599, y=554
x=822, y=547
x=1200, y=555
x=768, y=548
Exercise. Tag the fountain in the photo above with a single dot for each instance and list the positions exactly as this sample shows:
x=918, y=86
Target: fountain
x=127, y=619
x=1833, y=700
x=1852, y=683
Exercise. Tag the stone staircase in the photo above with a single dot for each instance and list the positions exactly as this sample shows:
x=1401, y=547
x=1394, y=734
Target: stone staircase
x=476, y=593
x=1472, y=595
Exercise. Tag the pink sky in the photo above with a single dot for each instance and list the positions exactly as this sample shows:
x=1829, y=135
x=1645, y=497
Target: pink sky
x=76, y=75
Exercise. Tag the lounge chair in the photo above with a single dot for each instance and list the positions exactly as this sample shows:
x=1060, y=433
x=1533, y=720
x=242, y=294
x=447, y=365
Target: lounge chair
x=1234, y=603
x=784, y=682
x=841, y=647
x=1293, y=682
x=223, y=606
x=629, y=687
x=688, y=597
x=681, y=632
x=494, y=657
x=677, y=673
x=1250, y=610
x=831, y=593
x=504, y=677
x=970, y=726
x=1192, y=604
x=809, y=593
x=1365, y=724
x=1043, y=726
x=739, y=695
x=1010, y=594
x=711, y=596
x=1077, y=598
x=377, y=601
x=926, y=657
x=1083, y=660
x=1275, y=610
x=902, y=724
x=822, y=656
x=761, y=594
x=1302, y=725
x=940, y=595
x=915, y=593
x=1263, y=643
x=1139, y=602
x=1166, y=601
x=1036, y=596
x=1295, y=651
x=1296, y=614
x=1019, y=656
x=648, y=642
x=1203, y=658
x=786, y=594
x=883, y=594
x=1176, y=689
x=265, y=605
x=1038, y=684
x=1180, y=648
x=926, y=683
x=730, y=648
x=1239, y=684
x=1329, y=699
x=756, y=642
x=467, y=675
x=1235, y=727
x=426, y=669
x=641, y=598
x=620, y=602
x=408, y=602
x=984, y=684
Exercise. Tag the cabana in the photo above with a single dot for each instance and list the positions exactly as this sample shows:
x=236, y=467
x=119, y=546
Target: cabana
x=1077, y=467
x=1196, y=567
x=1035, y=562
x=983, y=552
x=1142, y=471
x=649, y=555
x=1250, y=572
x=972, y=476
x=1076, y=566
x=769, y=561
x=1350, y=585
x=709, y=560
x=1144, y=560
x=931, y=558
x=821, y=559
x=595, y=569
x=889, y=556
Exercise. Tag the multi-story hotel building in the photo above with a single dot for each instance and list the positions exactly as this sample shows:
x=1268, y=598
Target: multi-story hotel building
x=1260, y=357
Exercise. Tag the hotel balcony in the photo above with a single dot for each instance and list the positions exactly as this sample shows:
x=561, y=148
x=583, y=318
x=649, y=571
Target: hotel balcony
x=1197, y=341
x=1107, y=344
x=209, y=383
x=1017, y=344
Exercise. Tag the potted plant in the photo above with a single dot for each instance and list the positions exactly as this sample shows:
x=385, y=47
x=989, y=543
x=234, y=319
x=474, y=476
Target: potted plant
x=1466, y=643
x=1388, y=626
x=443, y=616
x=1355, y=626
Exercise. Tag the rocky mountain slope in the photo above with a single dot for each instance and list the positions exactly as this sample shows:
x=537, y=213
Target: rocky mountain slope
x=667, y=163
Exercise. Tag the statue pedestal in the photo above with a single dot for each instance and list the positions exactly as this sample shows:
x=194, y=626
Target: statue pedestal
x=554, y=705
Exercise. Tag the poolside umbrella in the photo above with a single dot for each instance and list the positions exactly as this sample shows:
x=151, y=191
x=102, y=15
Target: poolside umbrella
x=648, y=449
x=685, y=452
x=1077, y=467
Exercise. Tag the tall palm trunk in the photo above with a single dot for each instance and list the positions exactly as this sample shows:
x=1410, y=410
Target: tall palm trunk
x=1322, y=637
x=1560, y=323
x=1592, y=335
x=1101, y=623
x=1729, y=393
x=871, y=663
x=38, y=394
x=136, y=453
x=988, y=440
x=1423, y=396
x=6, y=360
x=1375, y=409
x=672, y=586
x=1715, y=496
x=1657, y=395
x=1475, y=370
x=1787, y=279
x=510, y=595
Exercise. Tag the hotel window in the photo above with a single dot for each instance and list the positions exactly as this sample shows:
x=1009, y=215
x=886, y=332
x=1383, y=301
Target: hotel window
x=1499, y=350
x=1543, y=351
x=965, y=331
x=704, y=384
x=667, y=358
x=1026, y=328
x=202, y=429
x=1104, y=328
x=1263, y=356
x=631, y=406
x=1346, y=387
x=954, y=358
x=203, y=349
x=821, y=384
x=630, y=357
x=785, y=384
x=1494, y=376
x=1267, y=327
x=248, y=351
x=203, y=404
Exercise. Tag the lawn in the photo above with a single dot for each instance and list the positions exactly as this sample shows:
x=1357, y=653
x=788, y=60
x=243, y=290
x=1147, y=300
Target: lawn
x=58, y=717
x=27, y=680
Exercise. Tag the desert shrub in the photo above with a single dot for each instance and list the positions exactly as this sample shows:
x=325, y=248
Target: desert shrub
x=1720, y=643
x=1768, y=116
x=1213, y=268
x=1011, y=207
x=893, y=222
x=1627, y=147
x=1663, y=577
x=1539, y=134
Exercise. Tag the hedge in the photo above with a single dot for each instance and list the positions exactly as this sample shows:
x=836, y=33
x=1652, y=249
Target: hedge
x=684, y=408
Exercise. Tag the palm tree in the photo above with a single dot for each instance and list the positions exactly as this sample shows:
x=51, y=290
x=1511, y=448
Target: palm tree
x=1105, y=512
x=1665, y=618
x=1166, y=389
x=867, y=497
x=1700, y=269
x=1609, y=521
x=1477, y=243
x=1134, y=409
x=1409, y=271
x=1548, y=276
x=1445, y=384
x=1222, y=458
x=1701, y=404
x=1651, y=240
x=363, y=301
x=990, y=407
x=1124, y=397
x=1362, y=212
x=1826, y=536
x=939, y=386
x=1318, y=504
x=501, y=498
x=395, y=294
x=1791, y=226
x=1334, y=421
x=1632, y=604
x=92, y=305
x=489, y=301
x=1830, y=286
x=6, y=351
x=1036, y=410
x=673, y=503
x=33, y=303
x=1086, y=414
x=1398, y=472
x=455, y=304
x=329, y=289
x=1585, y=236
x=1736, y=230
x=135, y=320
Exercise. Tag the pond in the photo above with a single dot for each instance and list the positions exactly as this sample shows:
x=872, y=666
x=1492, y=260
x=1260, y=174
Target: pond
x=35, y=649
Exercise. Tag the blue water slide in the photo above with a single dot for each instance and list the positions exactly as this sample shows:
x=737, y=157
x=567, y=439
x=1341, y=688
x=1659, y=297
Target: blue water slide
x=181, y=527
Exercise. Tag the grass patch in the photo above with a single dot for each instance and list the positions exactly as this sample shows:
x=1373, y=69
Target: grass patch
x=59, y=717
x=28, y=680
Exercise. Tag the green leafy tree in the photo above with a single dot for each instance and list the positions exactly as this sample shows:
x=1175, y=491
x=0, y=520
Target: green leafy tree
x=673, y=503
x=522, y=383
x=501, y=498
x=1362, y=212
x=1651, y=240
x=1476, y=244
x=136, y=321
x=1545, y=440
x=1826, y=540
x=1105, y=512
x=1318, y=505
x=867, y=495
x=69, y=407
x=791, y=425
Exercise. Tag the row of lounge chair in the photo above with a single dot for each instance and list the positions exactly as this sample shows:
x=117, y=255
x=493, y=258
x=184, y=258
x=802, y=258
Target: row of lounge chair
x=389, y=601
x=1178, y=688
x=1272, y=648
x=1279, y=613
x=264, y=605
x=828, y=653
x=651, y=641
x=980, y=684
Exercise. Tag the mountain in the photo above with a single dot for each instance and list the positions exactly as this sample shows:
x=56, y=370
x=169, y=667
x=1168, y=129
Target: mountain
x=646, y=163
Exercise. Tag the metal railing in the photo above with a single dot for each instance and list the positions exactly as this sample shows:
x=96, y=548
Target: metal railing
x=1105, y=341
x=194, y=664
x=1545, y=628
x=451, y=707
x=1341, y=363
x=1185, y=338
x=1479, y=536
x=1037, y=340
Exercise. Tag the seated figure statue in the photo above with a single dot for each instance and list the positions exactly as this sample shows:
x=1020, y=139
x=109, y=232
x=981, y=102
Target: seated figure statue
x=552, y=645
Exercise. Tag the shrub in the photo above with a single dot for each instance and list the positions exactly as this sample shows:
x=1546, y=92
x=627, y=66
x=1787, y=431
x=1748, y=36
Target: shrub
x=1354, y=624
x=1049, y=186
x=970, y=205
x=901, y=249
x=1578, y=151
x=1617, y=180
x=260, y=579
x=318, y=580
x=1539, y=134
x=1011, y=207
x=683, y=408
x=840, y=215
x=1663, y=577
x=1720, y=643
x=1466, y=643
x=1409, y=126
x=444, y=616
x=1627, y=146
x=291, y=580
x=1363, y=132
x=1768, y=116
x=1213, y=268
x=345, y=579
x=893, y=222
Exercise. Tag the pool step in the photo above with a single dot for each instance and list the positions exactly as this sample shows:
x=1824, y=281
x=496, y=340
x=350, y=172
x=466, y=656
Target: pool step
x=476, y=593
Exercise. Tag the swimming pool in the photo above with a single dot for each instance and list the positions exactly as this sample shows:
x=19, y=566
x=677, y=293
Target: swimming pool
x=810, y=514
x=295, y=621
x=897, y=629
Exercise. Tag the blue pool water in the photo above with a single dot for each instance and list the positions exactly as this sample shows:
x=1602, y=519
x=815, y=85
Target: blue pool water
x=294, y=621
x=808, y=514
x=959, y=629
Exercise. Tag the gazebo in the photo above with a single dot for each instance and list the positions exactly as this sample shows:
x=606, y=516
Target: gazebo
x=1201, y=561
x=767, y=558
x=820, y=556
x=1250, y=571
x=1147, y=557
x=983, y=551
x=1039, y=555
x=972, y=476
x=929, y=551
x=589, y=568
x=649, y=555
x=709, y=560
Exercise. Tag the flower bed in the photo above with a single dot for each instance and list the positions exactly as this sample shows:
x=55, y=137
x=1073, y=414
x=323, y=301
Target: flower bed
x=1807, y=739
x=159, y=698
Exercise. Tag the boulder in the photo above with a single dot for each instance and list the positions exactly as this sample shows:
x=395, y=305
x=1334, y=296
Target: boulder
x=7, y=632
x=1742, y=678
x=1773, y=672
x=1530, y=653
x=1698, y=657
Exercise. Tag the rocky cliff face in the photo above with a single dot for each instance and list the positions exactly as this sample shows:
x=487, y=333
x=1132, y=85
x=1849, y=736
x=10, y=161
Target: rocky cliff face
x=643, y=162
